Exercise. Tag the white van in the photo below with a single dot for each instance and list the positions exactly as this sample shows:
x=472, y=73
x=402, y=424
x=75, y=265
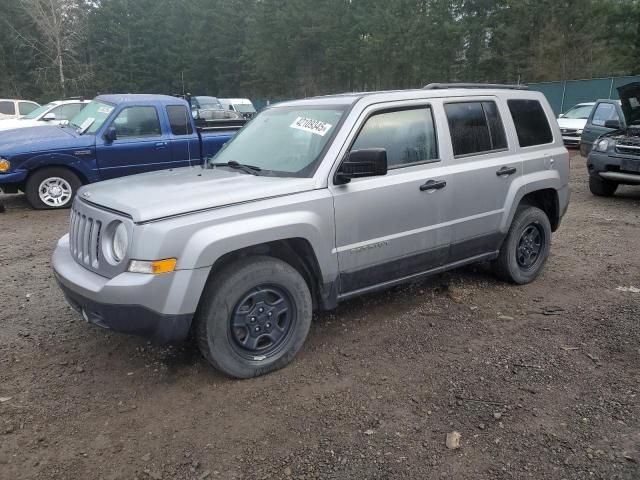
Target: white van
x=240, y=105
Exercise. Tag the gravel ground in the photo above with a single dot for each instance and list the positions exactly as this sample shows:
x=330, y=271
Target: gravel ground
x=541, y=381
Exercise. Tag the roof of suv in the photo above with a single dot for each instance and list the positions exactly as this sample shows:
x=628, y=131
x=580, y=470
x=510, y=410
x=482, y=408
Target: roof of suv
x=386, y=95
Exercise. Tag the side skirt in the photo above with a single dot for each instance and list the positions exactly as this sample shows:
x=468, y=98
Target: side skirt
x=418, y=276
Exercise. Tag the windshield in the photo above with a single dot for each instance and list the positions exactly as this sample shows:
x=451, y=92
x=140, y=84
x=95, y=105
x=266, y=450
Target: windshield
x=91, y=118
x=244, y=108
x=211, y=103
x=581, y=112
x=39, y=111
x=286, y=140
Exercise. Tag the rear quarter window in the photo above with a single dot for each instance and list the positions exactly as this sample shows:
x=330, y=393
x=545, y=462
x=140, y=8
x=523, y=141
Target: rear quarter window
x=532, y=125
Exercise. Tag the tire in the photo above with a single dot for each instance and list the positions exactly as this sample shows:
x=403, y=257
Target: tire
x=52, y=188
x=236, y=351
x=602, y=188
x=512, y=262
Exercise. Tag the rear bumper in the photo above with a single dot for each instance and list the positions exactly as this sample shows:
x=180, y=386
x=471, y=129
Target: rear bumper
x=127, y=303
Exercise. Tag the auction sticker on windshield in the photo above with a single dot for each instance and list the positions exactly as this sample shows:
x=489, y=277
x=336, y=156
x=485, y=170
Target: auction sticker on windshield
x=87, y=123
x=312, y=126
x=106, y=110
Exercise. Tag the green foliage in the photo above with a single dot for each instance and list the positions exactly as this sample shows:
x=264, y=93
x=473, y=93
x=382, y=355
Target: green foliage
x=295, y=48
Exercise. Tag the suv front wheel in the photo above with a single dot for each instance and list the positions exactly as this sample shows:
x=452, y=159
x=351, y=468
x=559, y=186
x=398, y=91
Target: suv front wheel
x=254, y=317
x=526, y=248
x=602, y=188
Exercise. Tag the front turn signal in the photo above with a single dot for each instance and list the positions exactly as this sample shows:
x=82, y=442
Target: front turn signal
x=155, y=267
x=5, y=165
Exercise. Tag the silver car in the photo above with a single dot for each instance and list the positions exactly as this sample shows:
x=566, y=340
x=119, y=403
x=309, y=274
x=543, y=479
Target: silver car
x=316, y=201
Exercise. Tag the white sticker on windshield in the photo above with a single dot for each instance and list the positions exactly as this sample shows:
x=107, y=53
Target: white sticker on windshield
x=106, y=110
x=87, y=123
x=312, y=126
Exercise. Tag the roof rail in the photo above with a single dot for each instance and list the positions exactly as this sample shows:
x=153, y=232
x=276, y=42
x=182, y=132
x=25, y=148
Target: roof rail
x=75, y=98
x=440, y=86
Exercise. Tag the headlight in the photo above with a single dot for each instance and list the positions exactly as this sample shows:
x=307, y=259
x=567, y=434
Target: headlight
x=5, y=165
x=579, y=132
x=601, y=145
x=120, y=243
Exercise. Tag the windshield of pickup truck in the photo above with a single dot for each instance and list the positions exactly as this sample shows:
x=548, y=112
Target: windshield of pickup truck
x=286, y=141
x=91, y=118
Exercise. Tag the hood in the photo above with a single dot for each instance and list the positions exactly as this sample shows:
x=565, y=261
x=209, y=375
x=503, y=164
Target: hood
x=42, y=138
x=630, y=99
x=576, y=123
x=12, y=123
x=154, y=195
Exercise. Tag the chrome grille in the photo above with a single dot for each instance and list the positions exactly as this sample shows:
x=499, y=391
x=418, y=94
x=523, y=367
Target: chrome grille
x=84, y=238
x=630, y=147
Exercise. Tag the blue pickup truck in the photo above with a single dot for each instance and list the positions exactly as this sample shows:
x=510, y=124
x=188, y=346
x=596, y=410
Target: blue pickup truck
x=113, y=136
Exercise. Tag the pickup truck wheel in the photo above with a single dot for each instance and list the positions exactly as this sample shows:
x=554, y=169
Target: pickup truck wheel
x=254, y=317
x=602, y=188
x=526, y=248
x=52, y=188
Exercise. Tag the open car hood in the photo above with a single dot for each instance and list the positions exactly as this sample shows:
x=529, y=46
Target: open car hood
x=630, y=99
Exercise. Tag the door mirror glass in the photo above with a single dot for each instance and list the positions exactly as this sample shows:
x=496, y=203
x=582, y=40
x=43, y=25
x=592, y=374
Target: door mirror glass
x=110, y=135
x=49, y=117
x=615, y=124
x=371, y=162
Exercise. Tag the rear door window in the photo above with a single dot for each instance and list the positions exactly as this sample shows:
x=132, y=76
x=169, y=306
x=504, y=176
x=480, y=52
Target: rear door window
x=604, y=112
x=179, y=120
x=7, y=108
x=531, y=122
x=475, y=127
x=408, y=136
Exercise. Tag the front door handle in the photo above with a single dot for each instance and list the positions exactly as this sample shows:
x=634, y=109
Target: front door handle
x=160, y=145
x=506, y=171
x=433, y=185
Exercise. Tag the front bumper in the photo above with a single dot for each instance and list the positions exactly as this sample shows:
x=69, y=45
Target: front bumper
x=570, y=140
x=607, y=165
x=158, y=307
x=10, y=181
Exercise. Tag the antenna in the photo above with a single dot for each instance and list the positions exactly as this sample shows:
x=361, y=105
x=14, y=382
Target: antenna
x=187, y=124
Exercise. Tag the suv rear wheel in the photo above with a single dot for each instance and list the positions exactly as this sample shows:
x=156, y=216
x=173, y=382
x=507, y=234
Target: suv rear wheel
x=254, y=317
x=602, y=188
x=526, y=248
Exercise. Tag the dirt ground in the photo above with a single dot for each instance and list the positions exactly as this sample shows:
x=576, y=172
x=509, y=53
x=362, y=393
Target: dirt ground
x=541, y=381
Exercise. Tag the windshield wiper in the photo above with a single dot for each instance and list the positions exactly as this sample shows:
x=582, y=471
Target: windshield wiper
x=250, y=169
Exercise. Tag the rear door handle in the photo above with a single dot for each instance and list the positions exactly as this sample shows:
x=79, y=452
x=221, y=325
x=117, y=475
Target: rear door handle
x=160, y=145
x=506, y=171
x=433, y=185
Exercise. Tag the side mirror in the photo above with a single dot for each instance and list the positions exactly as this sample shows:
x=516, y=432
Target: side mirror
x=561, y=115
x=110, y=135
x=49, y=117
x=371, y=162
x=615, y=124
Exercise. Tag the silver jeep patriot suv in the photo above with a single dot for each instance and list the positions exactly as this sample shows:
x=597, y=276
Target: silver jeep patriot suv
x=313, y=202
